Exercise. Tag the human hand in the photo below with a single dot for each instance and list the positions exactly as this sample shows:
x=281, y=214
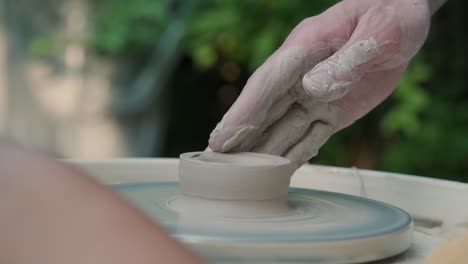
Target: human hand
x=331, y=70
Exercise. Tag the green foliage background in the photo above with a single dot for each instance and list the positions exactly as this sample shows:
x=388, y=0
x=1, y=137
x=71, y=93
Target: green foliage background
x=422, y=129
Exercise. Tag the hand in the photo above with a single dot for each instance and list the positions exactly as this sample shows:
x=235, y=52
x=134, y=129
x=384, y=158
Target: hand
x=331, y=70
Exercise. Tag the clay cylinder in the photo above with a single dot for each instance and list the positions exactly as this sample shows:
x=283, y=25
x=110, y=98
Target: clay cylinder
x=236, y=176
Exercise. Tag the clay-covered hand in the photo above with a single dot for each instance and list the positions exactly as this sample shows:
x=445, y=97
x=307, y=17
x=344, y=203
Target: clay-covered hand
x=331, y=70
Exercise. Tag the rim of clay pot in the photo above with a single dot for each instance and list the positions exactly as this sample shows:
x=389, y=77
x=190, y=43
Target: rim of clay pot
x=239, y=159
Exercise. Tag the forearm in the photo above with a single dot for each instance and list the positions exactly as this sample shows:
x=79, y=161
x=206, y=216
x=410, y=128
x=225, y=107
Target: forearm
x=434, y=5
x=52, y=213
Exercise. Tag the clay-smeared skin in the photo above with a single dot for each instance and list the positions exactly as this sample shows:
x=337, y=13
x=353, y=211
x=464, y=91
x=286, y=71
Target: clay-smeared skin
x=331, y=70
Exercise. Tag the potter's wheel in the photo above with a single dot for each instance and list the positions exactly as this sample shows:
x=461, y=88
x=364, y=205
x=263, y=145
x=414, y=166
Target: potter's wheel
x=273, y=222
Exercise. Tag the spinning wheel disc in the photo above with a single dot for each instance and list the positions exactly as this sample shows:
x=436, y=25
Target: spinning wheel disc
x=317, y=226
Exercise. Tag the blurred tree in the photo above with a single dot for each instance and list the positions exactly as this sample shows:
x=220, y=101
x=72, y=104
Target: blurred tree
x=422, y=129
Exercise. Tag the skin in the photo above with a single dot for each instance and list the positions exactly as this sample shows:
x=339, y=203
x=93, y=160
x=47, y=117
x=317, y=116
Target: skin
x=450, y=251
x=331, y=70
x=54, y=213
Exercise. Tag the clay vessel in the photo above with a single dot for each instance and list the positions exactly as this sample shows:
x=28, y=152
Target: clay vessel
x=233, y=185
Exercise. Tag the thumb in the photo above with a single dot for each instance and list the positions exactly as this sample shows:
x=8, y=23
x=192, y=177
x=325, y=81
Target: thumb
x=331, y=79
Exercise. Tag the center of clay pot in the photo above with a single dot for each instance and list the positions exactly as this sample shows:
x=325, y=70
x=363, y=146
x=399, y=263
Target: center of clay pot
x=238, y=184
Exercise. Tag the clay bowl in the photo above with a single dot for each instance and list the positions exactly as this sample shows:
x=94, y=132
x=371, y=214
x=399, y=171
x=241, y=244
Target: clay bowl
x=236, y=184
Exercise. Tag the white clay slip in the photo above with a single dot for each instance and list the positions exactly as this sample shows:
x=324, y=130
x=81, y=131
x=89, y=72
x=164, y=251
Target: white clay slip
x=228, y=206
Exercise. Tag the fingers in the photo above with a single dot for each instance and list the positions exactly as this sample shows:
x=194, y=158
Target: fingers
x=333, y=78
x=285, y=133
x=309, y=145
x=375, y=45
x=257, y=108
x=372, y=89
x=265, y=98
x=225, y=137
x=208, y=149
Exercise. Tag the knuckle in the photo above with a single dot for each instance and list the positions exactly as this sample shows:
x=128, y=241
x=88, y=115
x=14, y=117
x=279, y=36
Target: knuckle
x=303, y=25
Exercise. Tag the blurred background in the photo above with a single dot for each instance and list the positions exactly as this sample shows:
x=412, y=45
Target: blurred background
x=151, y=78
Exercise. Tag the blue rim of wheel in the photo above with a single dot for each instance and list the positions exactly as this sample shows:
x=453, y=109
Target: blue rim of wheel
x=353, y=218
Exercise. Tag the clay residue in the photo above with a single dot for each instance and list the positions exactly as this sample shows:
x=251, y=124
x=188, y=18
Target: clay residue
x=331, y=79
x=362, y=185
x=359, y=53
x=428, y=223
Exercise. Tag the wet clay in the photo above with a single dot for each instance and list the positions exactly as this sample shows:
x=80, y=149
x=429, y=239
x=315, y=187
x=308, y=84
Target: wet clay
x=233, y=185
x=239, y=205
x=325, y=226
